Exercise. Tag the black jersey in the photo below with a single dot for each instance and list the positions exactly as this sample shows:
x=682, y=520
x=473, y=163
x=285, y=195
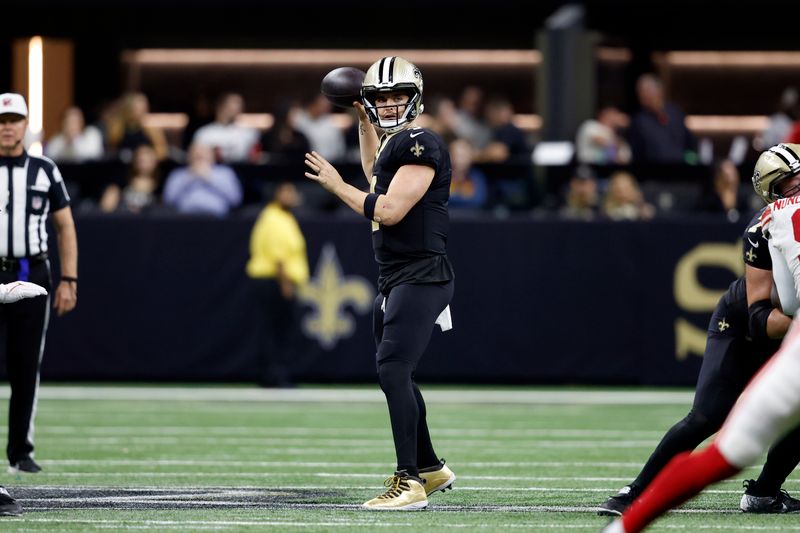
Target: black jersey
x=730, y=316
x=756, y=251
x=415, y=249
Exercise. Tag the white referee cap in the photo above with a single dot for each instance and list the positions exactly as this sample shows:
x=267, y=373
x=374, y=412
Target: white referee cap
x=13, y=103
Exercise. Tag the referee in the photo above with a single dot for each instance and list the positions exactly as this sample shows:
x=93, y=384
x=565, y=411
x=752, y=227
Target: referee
x=31, y=188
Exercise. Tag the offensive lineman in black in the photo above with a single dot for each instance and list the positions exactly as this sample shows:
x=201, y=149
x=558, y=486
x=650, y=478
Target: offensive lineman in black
x=409, y=173
x=745, y=330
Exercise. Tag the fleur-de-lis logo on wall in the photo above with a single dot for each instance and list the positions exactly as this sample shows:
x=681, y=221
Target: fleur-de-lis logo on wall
x=328, y=293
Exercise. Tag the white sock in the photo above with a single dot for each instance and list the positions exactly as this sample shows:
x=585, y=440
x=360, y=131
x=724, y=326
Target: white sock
x=614, y=527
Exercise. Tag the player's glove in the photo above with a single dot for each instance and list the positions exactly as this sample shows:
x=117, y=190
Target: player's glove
x=17, y=290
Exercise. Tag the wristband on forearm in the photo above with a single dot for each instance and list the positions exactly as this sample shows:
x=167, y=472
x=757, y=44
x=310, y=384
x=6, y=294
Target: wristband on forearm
x=369, y=205
x=71, y=279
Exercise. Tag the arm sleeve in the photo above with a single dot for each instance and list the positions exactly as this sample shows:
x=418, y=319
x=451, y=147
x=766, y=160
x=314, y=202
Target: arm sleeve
x=757, y=316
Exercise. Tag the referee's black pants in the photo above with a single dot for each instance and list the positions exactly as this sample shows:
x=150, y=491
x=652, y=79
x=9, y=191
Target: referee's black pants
x=23, y=326
x=402, y=333
x=277, y=319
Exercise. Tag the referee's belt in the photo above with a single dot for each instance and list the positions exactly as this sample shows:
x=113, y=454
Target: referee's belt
x=12, y=263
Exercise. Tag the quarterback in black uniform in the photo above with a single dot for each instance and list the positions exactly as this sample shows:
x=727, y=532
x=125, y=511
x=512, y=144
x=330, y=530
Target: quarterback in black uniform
x=745, y=330
x=408, y=169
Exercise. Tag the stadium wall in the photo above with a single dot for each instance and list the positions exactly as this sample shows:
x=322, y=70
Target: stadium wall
x=165, y=298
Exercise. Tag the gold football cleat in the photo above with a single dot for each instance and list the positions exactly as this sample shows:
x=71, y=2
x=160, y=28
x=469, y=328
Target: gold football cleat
x=437, y=478
x=403, y=493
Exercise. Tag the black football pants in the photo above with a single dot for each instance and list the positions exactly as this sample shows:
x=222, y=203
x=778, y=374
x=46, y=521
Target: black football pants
x=23, y=326
x=402, y=333
x=277, y=321
x=729, y=362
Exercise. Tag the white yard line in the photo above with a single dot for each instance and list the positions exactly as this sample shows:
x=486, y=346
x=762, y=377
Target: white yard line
x=324, y=464
x=321, y=432
x=322, y=488
x=353, y=445
x=345, y=395
x=385, y=523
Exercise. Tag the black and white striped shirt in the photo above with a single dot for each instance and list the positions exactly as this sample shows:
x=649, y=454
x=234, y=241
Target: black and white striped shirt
x=30, y=187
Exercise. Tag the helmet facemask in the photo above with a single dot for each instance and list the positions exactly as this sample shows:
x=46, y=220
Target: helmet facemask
x=404, y=113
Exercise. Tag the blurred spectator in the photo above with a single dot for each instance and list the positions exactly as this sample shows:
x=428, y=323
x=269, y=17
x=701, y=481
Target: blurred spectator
x=624, y=199
x=201, y=113
x=316, y=121
x=278, y=268
x=470, y=123
x=76, y=141
x=126, y=129
x=283, y=142
x=230, y=141
x=599, y=140
x=468, y=185
x=202, y=186
x=724, y=194
x=442, y=117
x=351, y=139
x=508, y=142
x=658, y=132
x=582, y=198
x=781, y=122
x=139, y=191
x=508, y=146
x=105, y=111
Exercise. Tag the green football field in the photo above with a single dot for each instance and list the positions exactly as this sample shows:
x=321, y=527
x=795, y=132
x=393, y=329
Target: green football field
x=195, y=458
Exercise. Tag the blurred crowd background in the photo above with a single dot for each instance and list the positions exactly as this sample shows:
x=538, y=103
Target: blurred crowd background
x=602, y=154
x=594, y=110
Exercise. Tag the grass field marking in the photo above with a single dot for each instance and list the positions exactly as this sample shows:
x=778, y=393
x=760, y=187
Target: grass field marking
x=287, y=432
x=249, y=475
x=230, y=489
x=351, y=475
x=386, y=522
x=327, y=464
x=345, y=395
x=315, y=445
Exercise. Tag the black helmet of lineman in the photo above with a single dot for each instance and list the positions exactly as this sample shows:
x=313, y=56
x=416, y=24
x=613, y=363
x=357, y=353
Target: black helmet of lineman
x=392, y=74
x=780, y=162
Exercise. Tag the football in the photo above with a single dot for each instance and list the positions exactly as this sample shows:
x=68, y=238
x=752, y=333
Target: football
x=342, y=86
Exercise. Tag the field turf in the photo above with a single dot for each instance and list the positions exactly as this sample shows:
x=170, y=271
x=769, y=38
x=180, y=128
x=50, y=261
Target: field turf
x=241, y=458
